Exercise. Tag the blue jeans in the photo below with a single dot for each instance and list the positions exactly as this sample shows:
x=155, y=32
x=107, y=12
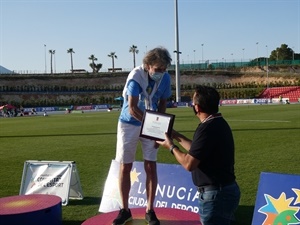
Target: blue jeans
x=217, y=207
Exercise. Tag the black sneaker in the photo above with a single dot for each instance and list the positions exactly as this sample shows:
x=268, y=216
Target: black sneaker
x=123, y=217
x=151, y=218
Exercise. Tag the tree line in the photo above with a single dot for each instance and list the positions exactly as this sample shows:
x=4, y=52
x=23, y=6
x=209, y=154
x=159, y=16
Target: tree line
x=56, y=89
x=279, y=54
x=54, y=95
x=95, y=67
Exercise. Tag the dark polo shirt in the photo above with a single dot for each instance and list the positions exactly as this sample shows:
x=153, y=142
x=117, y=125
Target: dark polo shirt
x=213, y=145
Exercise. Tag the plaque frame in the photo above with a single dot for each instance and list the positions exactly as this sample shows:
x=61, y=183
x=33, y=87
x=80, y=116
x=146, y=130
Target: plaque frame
x=151, y=120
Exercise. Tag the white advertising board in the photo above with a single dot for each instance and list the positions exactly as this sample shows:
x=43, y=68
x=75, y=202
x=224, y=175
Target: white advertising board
x=58, y=178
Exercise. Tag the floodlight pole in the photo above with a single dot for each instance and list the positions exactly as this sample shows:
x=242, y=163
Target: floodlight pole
x=267, y=67
x=45, y=50
x=177, y=70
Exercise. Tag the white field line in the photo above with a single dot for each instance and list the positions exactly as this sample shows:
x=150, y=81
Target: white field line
x=262, y=121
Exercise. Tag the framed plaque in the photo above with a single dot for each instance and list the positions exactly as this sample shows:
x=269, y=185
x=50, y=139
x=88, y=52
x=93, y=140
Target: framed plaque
x=156, y=124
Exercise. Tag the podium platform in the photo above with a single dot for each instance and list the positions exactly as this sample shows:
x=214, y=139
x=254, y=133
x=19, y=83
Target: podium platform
x=35, y=209
x=167, y=216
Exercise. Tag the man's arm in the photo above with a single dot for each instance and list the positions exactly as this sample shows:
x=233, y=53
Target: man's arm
x=182, y=140
x=162, y=105
x=186, y=160
x=134, y=109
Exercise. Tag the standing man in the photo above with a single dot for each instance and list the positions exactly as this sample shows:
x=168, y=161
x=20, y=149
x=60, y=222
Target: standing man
x=210, y=158
x=147, y=87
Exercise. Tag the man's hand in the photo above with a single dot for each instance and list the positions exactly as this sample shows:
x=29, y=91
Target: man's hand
x=167, y=143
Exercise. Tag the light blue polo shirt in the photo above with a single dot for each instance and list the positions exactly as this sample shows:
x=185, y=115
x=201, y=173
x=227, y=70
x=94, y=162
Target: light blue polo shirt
x=134, y=89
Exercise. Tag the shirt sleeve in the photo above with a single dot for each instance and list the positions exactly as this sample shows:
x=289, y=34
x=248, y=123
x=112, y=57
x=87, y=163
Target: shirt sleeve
x=167, y=93
x=133, y=88
x=167, y=83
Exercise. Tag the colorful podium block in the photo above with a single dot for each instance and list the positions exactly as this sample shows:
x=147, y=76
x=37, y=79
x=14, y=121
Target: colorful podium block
x=35, y=209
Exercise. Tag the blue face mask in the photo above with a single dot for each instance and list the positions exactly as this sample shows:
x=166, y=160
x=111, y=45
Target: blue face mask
x=156, y=76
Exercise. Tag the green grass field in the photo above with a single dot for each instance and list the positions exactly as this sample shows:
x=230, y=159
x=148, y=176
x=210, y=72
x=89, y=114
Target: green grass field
x=267, y=138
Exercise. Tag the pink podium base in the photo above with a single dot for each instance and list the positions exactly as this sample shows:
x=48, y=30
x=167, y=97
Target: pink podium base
x=35, y=209
x=167, y=216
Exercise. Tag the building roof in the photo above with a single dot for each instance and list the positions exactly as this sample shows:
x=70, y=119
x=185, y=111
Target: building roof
x=3, y=70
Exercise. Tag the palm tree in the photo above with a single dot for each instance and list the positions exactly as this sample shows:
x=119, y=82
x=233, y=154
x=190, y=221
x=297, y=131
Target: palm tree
x=52, y=52
x=70, y=50
x=93, y=58
x=113, y=55
x=134, y=51
x=98, y=67
x=95, y=67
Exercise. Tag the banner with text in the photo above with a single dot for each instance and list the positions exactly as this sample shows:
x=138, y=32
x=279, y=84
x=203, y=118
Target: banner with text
x=175, y=188
x=58, y=178
x=277, y=200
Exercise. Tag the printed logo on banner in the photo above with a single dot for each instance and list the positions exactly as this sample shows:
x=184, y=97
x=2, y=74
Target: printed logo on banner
x=46, y=180
x=49, y=179
x=278, y=200
x=58, y=178
x=175, y=188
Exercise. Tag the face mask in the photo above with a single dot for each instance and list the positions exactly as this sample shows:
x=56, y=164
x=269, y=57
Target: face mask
x=156, y=76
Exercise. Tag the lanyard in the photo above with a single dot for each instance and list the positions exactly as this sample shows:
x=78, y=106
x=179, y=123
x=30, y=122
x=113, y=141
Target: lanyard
x=211, y=117
x=149, y=96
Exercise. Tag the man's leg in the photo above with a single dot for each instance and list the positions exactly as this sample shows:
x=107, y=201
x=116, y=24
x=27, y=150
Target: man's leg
x=127, y=138
x=151, y=182
x=218, y=206
x=150, y=157
x=124, y=183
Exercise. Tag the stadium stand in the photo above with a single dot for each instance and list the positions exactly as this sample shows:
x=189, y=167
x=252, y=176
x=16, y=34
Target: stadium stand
x=293, y=93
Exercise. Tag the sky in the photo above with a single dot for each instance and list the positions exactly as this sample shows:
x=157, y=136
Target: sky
x=214, y=30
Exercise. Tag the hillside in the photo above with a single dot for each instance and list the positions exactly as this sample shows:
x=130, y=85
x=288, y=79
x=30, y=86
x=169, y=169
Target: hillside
x=119, y=78
x=66, y=89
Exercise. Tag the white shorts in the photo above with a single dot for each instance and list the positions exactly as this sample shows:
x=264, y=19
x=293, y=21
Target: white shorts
x=127, y=140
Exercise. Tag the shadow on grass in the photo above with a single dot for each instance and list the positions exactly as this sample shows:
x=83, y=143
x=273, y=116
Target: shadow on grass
x=72, y=222
x=85, y=201
x=244, y=215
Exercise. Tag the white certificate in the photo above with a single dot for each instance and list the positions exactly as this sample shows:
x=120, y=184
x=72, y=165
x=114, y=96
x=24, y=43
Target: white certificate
x=156, y=124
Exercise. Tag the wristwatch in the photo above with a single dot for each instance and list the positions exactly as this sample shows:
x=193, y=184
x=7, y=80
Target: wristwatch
x=172, y=147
